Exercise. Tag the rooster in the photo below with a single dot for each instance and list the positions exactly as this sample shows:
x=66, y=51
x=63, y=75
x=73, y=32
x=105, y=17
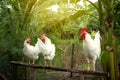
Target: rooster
x=32, y=52
x=47, y=48
x=91, y=47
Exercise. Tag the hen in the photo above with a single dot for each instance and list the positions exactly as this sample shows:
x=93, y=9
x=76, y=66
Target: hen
x=91, y=47
x=47, y=48
x=32, y=52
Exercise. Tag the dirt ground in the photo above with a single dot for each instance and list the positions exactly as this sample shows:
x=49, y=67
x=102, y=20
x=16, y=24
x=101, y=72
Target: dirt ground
x=67, y=76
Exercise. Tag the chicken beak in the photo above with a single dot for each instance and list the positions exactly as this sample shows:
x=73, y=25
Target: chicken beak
x=28, y=41
x=43, y=40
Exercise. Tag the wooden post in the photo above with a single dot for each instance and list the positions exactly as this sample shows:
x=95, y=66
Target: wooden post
x=72, y=63
x=14, y=72
x=119, y=70
x=25, y=73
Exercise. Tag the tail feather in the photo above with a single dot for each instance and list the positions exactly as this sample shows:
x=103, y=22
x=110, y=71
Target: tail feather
x=97, y=41
x=41, y=44
x=97, y=38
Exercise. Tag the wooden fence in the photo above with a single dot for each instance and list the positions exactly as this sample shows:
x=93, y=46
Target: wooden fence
x=15, y=64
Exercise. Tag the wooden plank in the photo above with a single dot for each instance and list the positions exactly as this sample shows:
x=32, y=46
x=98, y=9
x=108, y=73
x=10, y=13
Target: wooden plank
x=3, y=77
x=97, y=73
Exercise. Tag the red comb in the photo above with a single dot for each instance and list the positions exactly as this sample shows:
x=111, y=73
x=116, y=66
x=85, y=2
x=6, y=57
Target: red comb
x=43, y=35
x=84, y=30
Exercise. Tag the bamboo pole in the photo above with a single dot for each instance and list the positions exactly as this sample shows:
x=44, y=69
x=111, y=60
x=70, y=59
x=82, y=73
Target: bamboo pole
x=111, y=65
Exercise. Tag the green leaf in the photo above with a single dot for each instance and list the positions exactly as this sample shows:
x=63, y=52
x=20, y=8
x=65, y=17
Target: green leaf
x=104, y=56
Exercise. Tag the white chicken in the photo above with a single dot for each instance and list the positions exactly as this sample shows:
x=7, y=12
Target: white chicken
x=91, y=47
x=32, y=52
x=47, y=48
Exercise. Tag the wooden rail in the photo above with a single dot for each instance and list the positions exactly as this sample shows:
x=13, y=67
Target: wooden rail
x=3, y=77
x=97, y=73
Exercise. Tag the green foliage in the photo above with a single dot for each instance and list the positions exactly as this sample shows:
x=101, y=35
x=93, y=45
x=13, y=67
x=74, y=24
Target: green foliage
x=104, y=56
x=117, y=17
x=23, y=18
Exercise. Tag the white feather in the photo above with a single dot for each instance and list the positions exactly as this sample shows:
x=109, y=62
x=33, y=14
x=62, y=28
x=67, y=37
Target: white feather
x=47, y=49
x=97, y=41
x=30, y=51
x=91, y=47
